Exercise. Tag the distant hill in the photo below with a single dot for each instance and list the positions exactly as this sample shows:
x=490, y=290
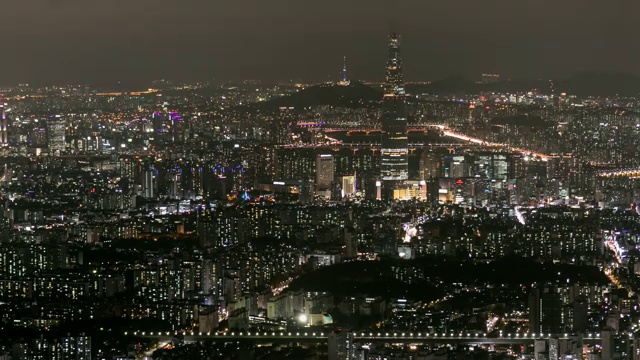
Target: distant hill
x=358, y=94
x=355, y=95
x=582, y=84
x=449, y=86
x=603, y=84
x=460, y=86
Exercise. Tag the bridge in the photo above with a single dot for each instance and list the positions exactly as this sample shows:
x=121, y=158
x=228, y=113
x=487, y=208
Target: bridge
x=395, y=337
x=631, y=173
x=445, y=131
x=336, y=144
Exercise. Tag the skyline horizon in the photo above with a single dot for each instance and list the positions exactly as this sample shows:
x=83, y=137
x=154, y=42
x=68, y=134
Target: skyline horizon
x=310, y=81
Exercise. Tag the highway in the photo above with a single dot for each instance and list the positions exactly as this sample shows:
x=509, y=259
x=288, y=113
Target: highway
x=445, y=131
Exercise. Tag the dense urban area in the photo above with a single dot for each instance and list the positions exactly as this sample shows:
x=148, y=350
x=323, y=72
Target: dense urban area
x=488, y=219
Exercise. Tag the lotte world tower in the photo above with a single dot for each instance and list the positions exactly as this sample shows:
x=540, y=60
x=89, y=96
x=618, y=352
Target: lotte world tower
x=395, y=164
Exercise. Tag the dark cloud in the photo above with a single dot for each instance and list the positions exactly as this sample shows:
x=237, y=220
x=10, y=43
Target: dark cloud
x=139, y=40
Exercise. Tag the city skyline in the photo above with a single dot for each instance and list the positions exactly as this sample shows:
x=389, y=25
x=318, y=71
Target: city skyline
x=331, y=220
x=104, y=43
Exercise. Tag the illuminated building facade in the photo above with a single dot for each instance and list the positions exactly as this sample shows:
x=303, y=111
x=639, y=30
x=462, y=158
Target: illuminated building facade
x=348, y=186
x=395, y=163
x=56, y=134
x=324, y=171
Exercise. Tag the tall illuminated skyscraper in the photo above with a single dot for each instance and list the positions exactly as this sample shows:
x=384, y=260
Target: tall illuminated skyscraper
x=4, y=134
x=395, y=162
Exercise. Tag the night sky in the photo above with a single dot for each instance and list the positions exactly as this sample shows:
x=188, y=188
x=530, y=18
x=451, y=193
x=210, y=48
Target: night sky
x=134, y=41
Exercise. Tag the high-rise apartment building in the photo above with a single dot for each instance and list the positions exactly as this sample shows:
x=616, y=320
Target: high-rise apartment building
x=72, y=347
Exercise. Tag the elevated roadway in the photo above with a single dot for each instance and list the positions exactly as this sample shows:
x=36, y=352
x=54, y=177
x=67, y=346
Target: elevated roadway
x=631, y=173
x=396, y=337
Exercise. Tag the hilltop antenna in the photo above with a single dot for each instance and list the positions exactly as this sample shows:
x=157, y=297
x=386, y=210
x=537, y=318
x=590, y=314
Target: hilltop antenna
x=343, y=81
x=344, y=69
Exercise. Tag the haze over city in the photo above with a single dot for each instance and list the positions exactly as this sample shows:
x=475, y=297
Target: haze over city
x=134, y=42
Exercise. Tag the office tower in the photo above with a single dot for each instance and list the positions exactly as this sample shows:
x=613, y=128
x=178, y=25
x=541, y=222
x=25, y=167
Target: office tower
x=324, y=171
x=340, y=345
x=56, y=133
x=430, y=165
x=4, y=135
x=348, y=186
x=395, y=163
x=545, y=311
x=607, y=345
